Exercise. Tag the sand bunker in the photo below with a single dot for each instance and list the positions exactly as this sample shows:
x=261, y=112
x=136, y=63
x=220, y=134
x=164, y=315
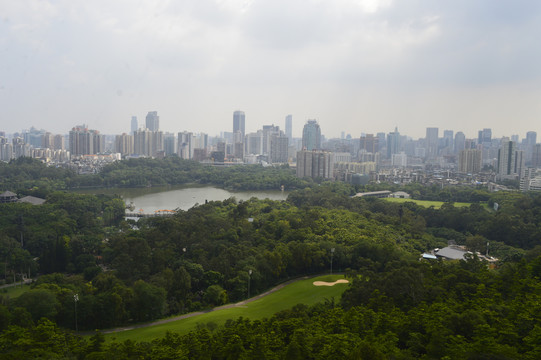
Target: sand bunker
x=324, y=283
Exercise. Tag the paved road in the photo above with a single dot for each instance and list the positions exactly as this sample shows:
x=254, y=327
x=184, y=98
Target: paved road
x=185, y=316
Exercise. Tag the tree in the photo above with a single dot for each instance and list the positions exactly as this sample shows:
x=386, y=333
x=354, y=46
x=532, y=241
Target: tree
x=477, y=243
x=148, y=301
x=215, y=295
x=39, y=303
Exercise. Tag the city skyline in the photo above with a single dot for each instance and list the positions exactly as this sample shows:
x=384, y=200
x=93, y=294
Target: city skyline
x=529, y=136
x=355, y=66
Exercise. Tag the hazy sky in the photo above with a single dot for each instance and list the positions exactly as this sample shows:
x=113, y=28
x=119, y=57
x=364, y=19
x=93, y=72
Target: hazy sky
x=354, y=65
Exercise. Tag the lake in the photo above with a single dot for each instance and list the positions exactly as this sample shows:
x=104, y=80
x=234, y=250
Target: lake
x=152, y=199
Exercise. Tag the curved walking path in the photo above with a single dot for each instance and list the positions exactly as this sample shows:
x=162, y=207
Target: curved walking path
x=25, y=282
x=185, y=316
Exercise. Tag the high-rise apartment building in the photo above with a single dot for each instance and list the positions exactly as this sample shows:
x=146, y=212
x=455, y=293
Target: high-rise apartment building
x=279, y=148
x=289, y=127
x=315, y=164
x=20, y=148
x=59, y=142
x=254, y=143
x=47, y=141
x=83, y=141
x=238, y=150
x=382, y=140
x=6, y=149
x=169, y=142
x=470, y=161
x=268, y=132
x=311, y=136
x=142, y=142
x=148, y=143
x=399, y=160
x=528, y=145
x=239, y=122
x=185, y=145
x=152, y=121
x=34, y=137
x=124, y=144
x=370, y=143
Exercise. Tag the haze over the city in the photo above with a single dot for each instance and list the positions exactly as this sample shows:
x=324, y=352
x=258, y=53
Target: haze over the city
x=355, y=66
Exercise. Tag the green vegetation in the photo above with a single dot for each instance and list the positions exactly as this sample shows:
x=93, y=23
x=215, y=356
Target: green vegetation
x=300, y=292
x=396, y=306
x=12, y=292
x=27, y=176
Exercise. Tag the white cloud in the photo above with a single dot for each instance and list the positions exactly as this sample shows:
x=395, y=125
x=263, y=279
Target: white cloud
x=102, y=61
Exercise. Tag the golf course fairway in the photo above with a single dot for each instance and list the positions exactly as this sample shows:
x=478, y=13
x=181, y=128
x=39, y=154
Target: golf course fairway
x=302, y=291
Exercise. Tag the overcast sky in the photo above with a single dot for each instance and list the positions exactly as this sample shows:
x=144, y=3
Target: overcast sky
x=359, y=66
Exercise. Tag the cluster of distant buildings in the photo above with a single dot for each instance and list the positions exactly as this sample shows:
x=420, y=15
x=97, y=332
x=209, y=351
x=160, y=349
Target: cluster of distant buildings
x=459, y=252
x=390, y=157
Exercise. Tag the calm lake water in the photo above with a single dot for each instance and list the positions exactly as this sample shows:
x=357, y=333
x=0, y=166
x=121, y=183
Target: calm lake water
x=181, y=197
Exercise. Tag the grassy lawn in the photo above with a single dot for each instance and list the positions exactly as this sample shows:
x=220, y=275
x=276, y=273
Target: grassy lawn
x=14, y=291
x=428, y=203
x=302, y=291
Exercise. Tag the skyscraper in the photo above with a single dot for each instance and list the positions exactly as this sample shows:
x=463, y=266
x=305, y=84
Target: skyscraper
x=510, y=160
x=311, y=136
x=448, y=139
x=239, y=122
x=531, y=138
x=460, y=142
x=536, y=156
x=485, y=137
x=289, y=127
x=134, y=124
x=393, y=143
x=153, y=121
x=431, y=142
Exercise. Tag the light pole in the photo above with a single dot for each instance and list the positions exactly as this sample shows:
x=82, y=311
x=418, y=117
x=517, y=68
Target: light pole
x=75, y=299
x=249, y=278
x=332, y=253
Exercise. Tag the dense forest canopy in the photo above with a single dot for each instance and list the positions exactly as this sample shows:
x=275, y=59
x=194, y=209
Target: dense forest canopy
x=24, y=174
x=396, y=306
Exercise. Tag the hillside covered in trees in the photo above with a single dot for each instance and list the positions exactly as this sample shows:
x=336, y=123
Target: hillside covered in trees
x=31, y=177
x=396, y=306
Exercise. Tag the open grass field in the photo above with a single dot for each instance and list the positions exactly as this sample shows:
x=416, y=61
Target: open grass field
x=299, y=292
x=428, y=203
x=14, y=291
